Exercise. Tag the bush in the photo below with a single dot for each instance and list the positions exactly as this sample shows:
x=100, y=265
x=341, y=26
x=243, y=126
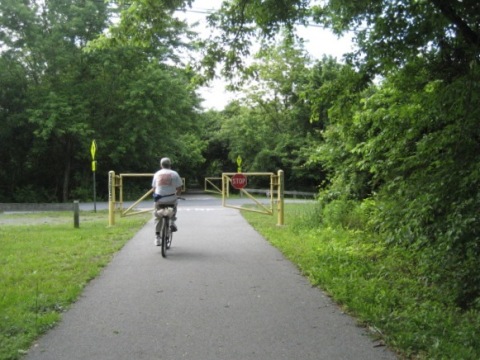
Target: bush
x=348, y=214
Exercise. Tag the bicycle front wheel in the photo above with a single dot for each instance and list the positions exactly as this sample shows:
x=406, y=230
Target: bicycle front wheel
x=165, y=227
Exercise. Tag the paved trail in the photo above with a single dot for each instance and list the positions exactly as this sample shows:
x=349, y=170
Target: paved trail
x=222, y=293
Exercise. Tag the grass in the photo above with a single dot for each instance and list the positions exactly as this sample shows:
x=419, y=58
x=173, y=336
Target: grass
x=45, y=263
x=382, y=287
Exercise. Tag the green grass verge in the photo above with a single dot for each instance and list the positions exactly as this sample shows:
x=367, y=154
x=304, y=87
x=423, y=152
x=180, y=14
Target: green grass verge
x=45, y=263
x=381, y=286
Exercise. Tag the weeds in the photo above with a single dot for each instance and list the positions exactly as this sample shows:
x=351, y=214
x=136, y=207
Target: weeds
x=384, y=287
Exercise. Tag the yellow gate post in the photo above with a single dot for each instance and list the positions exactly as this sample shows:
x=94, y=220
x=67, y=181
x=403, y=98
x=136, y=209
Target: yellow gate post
x=224, y=187
x=111, y=198
x=280, y=204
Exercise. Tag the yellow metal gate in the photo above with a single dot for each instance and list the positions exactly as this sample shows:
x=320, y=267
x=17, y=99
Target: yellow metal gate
x=213, y=185
x=115, y=185
x=276, y=188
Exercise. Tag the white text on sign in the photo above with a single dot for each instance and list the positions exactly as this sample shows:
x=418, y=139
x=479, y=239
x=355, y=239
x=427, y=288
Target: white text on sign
x=239, y=181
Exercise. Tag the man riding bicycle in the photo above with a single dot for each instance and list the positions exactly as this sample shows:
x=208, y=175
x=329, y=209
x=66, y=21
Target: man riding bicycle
x=167, y=186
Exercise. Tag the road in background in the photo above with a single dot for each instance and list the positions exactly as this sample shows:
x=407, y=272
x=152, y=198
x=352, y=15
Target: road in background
x=193, y=200
x=223, y=292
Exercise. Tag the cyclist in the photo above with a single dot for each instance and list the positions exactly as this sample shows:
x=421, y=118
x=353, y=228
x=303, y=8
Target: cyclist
x=167, y=186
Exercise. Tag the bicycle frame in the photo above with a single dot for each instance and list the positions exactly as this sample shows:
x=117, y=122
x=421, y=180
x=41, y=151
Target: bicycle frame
x=164, y=212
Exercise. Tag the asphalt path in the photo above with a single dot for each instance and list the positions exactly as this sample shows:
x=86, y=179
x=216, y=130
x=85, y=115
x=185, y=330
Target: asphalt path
x=223, y=292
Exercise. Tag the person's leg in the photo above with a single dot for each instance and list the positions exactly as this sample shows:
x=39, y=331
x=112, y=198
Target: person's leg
x=173, y=225
x=157, y=223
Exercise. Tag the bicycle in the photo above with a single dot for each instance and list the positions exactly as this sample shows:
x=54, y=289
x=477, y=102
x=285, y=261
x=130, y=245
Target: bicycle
x=165, y=212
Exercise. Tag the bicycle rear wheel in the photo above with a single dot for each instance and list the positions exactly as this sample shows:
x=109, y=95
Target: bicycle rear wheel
x=165, y=226
x=169, y=237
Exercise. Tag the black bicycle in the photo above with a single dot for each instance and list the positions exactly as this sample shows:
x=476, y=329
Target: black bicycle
x=165, y=212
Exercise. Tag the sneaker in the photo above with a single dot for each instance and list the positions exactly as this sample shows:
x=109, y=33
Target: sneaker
x=158, y=240
x=173, y=227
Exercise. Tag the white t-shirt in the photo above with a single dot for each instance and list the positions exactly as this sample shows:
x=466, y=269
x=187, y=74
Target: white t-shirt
x=166, y=182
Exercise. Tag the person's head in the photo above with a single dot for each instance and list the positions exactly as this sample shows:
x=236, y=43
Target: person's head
x=165, y=163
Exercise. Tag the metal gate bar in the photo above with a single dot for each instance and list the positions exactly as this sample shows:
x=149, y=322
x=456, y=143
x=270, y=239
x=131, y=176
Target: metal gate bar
x=208, y=180
x=276, y=183
x=130, y=212
x=226, y=178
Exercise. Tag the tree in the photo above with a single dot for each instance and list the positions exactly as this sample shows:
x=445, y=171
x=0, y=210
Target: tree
x=393, y=34
x=334, y=92
x=388, y=34
x=276, y=94
x=216, y=151
x=46, y=39
x=127, y=97
x=270, y=127
x=420, y=150
x=149, y=25
x=14, y=128
x=241, y=22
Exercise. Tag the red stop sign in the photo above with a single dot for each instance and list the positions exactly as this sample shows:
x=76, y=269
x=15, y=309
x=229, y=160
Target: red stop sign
x=239, y=181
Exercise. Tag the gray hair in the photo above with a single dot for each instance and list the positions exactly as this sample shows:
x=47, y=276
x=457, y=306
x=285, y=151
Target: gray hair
x=165, y=163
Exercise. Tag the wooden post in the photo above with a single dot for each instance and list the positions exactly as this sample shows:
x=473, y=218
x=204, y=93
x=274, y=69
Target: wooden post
x=76, y=214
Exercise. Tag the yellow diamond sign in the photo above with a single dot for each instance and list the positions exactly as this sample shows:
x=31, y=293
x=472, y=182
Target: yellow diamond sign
x=93, y=149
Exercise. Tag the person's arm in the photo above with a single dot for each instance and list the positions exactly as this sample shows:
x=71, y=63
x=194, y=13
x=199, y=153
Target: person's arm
x=179, y=191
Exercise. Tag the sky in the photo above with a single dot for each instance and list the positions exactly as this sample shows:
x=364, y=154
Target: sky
x=318, y=42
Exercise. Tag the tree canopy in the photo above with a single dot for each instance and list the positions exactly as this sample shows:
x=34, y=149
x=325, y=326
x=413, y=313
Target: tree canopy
x=58, y=97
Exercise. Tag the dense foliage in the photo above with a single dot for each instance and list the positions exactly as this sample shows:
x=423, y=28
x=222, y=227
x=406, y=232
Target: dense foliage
x=412, y=143
x=56, y=98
